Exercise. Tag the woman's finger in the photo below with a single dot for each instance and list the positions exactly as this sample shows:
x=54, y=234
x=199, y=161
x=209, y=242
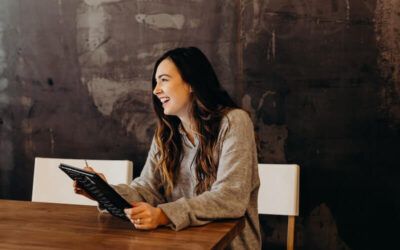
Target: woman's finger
x=102, y=176
x=135, y=210
x=141, y=216
x=140, y=221
x=140, y=224
x=143, y=226
x=89, y=169
x=77, y=189
x=137, y=226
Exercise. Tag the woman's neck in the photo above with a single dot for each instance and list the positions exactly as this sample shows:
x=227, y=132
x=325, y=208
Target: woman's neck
x=189, y=129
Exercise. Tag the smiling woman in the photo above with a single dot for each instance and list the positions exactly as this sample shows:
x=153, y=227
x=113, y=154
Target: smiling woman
x=202, y=164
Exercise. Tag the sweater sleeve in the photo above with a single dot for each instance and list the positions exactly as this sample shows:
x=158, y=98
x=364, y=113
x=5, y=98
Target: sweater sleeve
x=230, y=194
x=147, y=187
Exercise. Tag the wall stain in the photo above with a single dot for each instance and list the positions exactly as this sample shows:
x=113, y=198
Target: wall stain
x=387, y=27
x=322, y=226
x=163, y=21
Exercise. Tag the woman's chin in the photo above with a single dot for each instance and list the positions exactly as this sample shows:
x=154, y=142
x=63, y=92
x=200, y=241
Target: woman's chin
x=167, y=112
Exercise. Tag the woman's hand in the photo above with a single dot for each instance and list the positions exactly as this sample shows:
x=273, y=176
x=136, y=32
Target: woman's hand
x=81, y=191
x=145, y=216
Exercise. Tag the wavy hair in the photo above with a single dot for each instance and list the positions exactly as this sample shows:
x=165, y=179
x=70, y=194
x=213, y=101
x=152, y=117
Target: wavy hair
x=209, y=103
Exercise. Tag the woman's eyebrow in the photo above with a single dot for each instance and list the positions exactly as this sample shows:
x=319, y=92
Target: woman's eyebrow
x=163, y=75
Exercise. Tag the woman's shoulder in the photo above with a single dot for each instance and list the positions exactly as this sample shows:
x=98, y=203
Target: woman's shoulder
x=236, y=129
x=237, y=114
x=236, y=117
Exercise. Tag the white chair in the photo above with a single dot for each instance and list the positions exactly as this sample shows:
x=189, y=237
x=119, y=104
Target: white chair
x=50, y=184
x=279, y=193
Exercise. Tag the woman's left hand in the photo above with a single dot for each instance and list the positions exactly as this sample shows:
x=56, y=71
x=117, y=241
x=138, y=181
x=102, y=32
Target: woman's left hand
x=145, y=216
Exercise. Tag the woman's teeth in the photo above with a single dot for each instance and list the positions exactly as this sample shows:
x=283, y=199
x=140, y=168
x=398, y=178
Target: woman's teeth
x=164, y=100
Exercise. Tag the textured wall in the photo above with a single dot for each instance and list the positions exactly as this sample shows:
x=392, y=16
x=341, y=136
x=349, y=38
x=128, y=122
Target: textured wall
x=320, y=78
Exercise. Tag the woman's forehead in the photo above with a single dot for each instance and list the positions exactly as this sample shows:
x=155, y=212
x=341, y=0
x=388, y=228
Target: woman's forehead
x=167, y=66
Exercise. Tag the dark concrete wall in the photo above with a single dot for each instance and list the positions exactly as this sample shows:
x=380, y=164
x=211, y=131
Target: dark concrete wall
x=320, y=78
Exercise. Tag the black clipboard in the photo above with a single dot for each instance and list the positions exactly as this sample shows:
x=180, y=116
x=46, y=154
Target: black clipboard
x=100, y=190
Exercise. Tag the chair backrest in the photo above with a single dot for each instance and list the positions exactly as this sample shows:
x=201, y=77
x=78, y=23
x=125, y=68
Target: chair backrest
x=279, y=194
x=279, y=189
x=50, y=184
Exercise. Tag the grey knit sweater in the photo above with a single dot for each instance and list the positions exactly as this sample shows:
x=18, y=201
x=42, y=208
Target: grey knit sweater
x=233, y=194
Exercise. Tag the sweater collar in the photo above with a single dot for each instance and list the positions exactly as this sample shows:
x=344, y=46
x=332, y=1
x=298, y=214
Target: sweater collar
x=186, y=138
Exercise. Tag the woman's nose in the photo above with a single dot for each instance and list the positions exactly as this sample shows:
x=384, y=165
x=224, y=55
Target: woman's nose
x=157, y=89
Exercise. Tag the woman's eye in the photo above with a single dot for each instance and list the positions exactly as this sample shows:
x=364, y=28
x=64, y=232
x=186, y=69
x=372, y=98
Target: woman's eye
x=164, y=80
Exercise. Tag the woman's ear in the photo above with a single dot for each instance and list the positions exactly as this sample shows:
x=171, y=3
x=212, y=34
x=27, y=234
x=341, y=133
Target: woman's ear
x=190, y=88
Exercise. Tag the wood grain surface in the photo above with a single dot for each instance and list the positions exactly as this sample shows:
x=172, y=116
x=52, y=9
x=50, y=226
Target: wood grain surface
x=32, y=225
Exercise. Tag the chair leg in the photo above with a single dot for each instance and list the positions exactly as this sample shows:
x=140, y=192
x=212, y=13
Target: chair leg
x=290, y=233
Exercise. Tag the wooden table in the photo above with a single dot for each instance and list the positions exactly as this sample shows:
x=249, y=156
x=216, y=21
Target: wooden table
x=34, y=225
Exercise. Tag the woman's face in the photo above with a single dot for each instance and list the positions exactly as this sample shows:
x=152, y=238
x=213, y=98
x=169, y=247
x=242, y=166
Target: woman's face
x=171, y=90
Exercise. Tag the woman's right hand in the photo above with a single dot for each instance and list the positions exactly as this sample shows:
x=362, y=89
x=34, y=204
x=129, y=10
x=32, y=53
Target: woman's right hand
x=81, y=191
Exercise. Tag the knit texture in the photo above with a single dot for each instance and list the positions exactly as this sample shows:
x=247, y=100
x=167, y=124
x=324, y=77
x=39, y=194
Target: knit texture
x=234, y=193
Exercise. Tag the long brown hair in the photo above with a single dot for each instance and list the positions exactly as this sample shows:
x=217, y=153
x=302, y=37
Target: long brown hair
x=210, y=102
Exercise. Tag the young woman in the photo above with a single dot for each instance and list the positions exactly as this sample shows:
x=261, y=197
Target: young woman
x=202, y=164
